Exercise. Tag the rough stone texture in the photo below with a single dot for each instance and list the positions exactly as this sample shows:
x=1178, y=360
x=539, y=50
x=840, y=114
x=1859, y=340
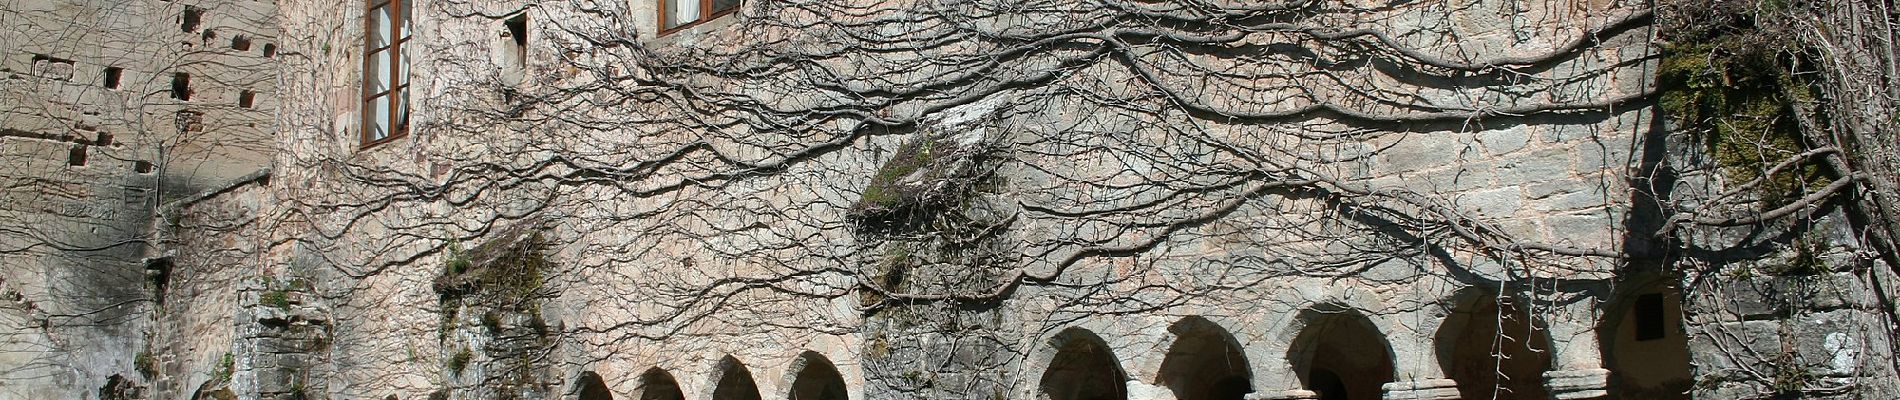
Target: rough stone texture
x=355, y=272
x=94, y=143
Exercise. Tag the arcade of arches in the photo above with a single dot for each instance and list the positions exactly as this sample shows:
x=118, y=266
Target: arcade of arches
x=1488, y=347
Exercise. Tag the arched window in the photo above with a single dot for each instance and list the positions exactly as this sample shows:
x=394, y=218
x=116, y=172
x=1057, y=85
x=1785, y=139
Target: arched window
x=1205, y=363
x=1495, y=349
x=1083, y=369
x=1340, y=355
x=735, y=382
x=817, y=379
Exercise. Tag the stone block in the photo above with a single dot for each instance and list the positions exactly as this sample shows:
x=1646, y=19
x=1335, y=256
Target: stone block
x=1492, y=203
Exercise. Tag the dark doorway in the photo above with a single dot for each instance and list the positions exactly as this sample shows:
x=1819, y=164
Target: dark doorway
x=818, y=380
x=1205, y=363
x=1341, y=355
x=1495, y=350
x=656, y=384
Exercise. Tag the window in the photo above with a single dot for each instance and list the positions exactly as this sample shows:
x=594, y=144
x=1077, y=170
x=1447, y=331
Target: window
x=181, y=86
x=679, y=14
x=1649, y=317
x=112, y=77
x=385, y=71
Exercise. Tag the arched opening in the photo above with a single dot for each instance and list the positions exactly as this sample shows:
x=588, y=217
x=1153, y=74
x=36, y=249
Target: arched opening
x=1340, y=355
x=1494, y=349
x=1205, y=363
x=1083, y=369
x=591, y=387
x=817, y=379
x=656, y=384
x=735, y=382
x=1644, y=346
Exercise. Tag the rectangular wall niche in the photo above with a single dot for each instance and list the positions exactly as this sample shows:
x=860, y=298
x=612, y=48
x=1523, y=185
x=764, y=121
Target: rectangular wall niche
x=247, y=99
x=518, y=33
x=181, y=86
x=112, y=77
x=188, y=22
x=240, y=43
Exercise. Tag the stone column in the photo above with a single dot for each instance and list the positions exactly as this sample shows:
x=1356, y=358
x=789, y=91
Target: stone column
x=1577, y=357
x=1138, y=390
x=1576, y=384
x=1422, y=389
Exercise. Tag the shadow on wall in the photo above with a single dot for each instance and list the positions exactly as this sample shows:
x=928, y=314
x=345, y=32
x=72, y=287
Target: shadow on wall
x=1340, y=355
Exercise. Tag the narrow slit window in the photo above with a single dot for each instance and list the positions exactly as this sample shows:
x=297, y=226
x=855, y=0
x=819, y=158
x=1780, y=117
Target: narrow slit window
x=112, y=77
x=1649, y=317
x=181, y=86
x=679, y=14
x=385, y=71
x=518, y=30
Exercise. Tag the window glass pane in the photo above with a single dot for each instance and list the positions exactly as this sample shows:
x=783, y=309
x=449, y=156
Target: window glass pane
x=378, y=79
x=402, y=66
x=408, y=12
x=723, y=5
x=402, y=111
x=681, y=12
x=379, y=27
x=378, y=112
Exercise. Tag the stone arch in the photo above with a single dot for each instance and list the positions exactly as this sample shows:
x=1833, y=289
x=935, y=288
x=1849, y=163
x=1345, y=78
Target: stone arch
x=1083, y=368
x=656, y=384
x=1494, y=347
x=589, y=386
x=733, y=381
x=1644, y=345
x=814, y=377
x=215, y=389
x=1341, y=355
x=1205, y=362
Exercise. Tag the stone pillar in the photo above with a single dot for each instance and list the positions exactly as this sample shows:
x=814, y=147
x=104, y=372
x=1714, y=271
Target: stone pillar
x=1422, y=389
x=1578, y=358
x=1577, y=384
x=1138, y=390
x=1293, y=394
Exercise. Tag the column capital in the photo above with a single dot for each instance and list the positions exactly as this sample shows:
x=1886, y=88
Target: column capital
x=1578, y=384
x=1422, y=389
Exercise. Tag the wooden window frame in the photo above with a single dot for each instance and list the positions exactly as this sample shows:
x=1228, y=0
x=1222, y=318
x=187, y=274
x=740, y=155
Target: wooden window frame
x=706, y=13
x=398, y=122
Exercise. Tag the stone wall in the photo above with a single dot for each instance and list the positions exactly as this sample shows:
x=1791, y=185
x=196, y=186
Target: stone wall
x=96, y=138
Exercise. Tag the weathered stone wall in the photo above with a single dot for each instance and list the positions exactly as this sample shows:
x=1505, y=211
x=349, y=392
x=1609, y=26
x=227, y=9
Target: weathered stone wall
x=694, y=269
x=95, y=142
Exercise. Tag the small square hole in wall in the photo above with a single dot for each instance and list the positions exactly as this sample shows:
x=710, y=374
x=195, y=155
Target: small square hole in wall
x=112, y=77
x=241, y=43
x=143, y=167
x=181, y=86
x=270, y=50
x=247, y=98
x=77, y=156
x=189, y=21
